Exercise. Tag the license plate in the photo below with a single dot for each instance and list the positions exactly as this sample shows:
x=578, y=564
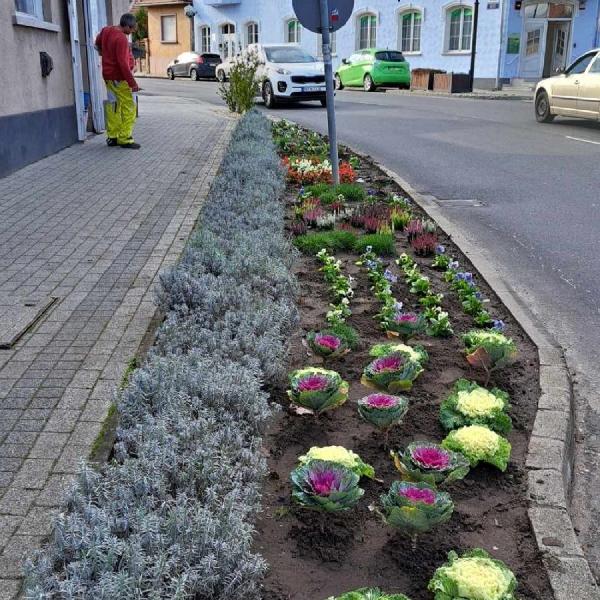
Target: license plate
x=212, y=64
x=313, y=89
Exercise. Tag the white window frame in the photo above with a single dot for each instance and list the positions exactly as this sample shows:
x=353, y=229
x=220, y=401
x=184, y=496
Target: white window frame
x=371, y=43
x=448, y=27
x=405, y=11
x=36, y=9
x=204, y=30
x=297, y=31
x=256, y=33
x=35, y=17
x=162, y=31
x=333, y=38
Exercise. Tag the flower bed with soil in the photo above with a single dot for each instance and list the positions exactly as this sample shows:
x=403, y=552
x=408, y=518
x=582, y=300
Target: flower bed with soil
x=316, y=554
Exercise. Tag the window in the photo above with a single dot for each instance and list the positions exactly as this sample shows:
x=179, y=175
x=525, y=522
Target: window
x=367, y=32
x=533, y=42
x=580, y=66
x=596, y=66
x=287, y=54
x=390, y=56
x=35, y=8
x=205, y=39
x=252, y=33
x=332, y=42
x=460, y=26
x=168, y=29
x=410, y=36
x=293, y=31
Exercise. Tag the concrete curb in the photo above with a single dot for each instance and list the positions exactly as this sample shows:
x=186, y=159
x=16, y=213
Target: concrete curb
x=550, y=454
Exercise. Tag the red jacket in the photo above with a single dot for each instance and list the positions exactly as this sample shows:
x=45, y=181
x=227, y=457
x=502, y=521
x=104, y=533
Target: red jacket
x=113, y=46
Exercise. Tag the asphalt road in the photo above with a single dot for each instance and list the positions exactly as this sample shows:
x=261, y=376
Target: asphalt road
x=528, y=194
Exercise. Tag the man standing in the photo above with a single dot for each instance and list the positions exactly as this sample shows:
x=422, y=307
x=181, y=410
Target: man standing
x=113, y=46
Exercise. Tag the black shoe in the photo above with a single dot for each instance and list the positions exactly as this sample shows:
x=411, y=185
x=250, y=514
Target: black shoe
x=131, y=146
x=111, y=142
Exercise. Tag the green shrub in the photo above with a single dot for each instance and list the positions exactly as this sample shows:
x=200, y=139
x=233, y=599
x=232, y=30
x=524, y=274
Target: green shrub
x=381, y=243
x=242, y=88
x=353, y=192
x=346, y=333
x=311, y=243
x=316, y=189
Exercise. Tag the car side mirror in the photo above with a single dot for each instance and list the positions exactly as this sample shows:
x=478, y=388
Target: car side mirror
x=175, y=62
x=559, y=71
x=345, y=61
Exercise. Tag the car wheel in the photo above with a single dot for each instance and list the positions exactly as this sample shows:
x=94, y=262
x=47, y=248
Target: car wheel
x=338, y=82
x=268, y=95
x=194, y=75
x=220, y=75
x=170, y=74
x=542, y=108
x=323, y=102
x=368, y=84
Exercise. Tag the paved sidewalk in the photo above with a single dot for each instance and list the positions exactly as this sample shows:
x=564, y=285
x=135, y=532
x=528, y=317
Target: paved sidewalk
x=91, y=226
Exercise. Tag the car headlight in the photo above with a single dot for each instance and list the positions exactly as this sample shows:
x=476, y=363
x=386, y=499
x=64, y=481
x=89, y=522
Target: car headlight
x=283, y=71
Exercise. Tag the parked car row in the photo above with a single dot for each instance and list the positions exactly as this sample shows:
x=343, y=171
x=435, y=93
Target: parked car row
x=194, y=65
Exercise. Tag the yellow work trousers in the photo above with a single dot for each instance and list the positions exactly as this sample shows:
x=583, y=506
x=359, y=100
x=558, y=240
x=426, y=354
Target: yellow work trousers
x=120, y=112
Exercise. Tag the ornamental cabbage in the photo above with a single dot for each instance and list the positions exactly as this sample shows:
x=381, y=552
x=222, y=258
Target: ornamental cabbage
x=317, y=389
x=369, y=594
x=415, y=507
x=479, y=443
x=405, y=324
x=341, y=456
x=431, y=463
x=414, y=353
x=393, y=372
x=471, y=404
x=327, y=344
x=473, y=576
x=489, y=349
x=326, y=486
x=382, y=410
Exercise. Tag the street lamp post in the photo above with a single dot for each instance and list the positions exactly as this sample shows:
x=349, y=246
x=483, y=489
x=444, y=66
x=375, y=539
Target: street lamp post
x=474, y=44
x=190, y=12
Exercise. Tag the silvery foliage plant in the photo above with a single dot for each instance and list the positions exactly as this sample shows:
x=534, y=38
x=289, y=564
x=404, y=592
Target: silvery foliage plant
x=171, y=515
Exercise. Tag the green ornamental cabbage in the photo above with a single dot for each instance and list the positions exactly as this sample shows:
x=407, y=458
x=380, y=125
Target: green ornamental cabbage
x=479, y=443
x=394, y=372
x=489, y=349
x=415, y=353
x=369, y=594
x=317, y=389
x=473, y=576
x=471, y=404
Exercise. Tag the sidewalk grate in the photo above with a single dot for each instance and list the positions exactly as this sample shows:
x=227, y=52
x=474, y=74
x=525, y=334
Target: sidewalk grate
x=18, y=315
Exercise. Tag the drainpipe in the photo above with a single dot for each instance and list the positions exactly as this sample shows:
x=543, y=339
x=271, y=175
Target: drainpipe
x=598, y=25
x=505, y=4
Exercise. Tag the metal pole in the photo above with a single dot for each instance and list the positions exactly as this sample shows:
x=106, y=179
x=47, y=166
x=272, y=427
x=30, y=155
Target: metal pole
x=333, y=149
x=474, y=44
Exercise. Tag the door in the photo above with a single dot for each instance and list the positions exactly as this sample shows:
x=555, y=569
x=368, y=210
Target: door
x=560, y=45
x=95, y=20
x=77, y=75
x=228, y=41
x=588, y=101
x=179, y=66
x=566, y=88
x=353, y=72
x=533, y=46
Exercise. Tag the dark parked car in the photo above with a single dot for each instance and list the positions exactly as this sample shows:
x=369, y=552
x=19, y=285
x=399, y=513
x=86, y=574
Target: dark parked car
x=193, y=65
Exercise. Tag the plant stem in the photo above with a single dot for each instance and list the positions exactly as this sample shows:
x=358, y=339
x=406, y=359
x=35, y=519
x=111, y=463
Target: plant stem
x=414, y=541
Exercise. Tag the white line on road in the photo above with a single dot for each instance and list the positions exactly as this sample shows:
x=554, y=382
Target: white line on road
x=569, y=137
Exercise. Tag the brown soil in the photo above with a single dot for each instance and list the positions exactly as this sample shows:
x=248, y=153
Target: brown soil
x=314, y=556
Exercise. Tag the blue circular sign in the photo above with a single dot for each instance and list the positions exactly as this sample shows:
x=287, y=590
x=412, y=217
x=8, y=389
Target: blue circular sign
x=309, y=13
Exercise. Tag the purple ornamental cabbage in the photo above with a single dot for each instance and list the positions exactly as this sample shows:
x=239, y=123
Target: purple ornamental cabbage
x=394, y=372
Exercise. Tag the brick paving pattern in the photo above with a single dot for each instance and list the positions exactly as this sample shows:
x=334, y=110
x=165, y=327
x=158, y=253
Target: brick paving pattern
x=91, y=226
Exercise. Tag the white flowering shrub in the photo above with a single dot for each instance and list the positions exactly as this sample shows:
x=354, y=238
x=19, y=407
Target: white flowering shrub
x=171, y=515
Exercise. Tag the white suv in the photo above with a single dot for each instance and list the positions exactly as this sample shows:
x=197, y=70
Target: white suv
x=288, y=74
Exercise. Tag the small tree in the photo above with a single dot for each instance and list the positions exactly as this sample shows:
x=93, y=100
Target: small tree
x=141, y=16
x=240, y=91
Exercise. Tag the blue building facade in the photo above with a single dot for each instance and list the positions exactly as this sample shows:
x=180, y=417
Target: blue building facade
x=516, y=39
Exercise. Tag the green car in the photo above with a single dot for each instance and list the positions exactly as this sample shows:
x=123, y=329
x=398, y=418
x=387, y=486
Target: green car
x=372, y=68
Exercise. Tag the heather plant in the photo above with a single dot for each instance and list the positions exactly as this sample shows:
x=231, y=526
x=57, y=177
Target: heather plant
x=325, y=486
x=478, y=444
x=382, y=244
x=341, y=456
x=471, y=404
x=415, y=508
x=171, y=516
x=369, y=594
x=473, y=576
x=332, y=241
x=431, y=463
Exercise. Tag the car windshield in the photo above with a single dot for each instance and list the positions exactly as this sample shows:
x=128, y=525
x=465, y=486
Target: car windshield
x=389, y=56
x=288, y=54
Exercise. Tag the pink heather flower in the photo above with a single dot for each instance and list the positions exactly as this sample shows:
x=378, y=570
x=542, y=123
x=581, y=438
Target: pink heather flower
x=406, y=318
x=324, y=482
x=313, y=383
x=387, y=363
x=381, y=401
x=431, y=458
x=331, y=342
x=415, y=494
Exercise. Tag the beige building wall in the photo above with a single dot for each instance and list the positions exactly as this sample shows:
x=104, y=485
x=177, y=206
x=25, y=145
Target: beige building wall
x=22, y=87
x=162, y=53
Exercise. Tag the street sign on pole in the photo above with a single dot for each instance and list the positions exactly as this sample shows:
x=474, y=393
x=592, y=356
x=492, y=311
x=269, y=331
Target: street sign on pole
x=325, y=16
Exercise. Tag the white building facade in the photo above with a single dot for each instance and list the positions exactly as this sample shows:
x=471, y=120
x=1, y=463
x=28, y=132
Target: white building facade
x=515, y=38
